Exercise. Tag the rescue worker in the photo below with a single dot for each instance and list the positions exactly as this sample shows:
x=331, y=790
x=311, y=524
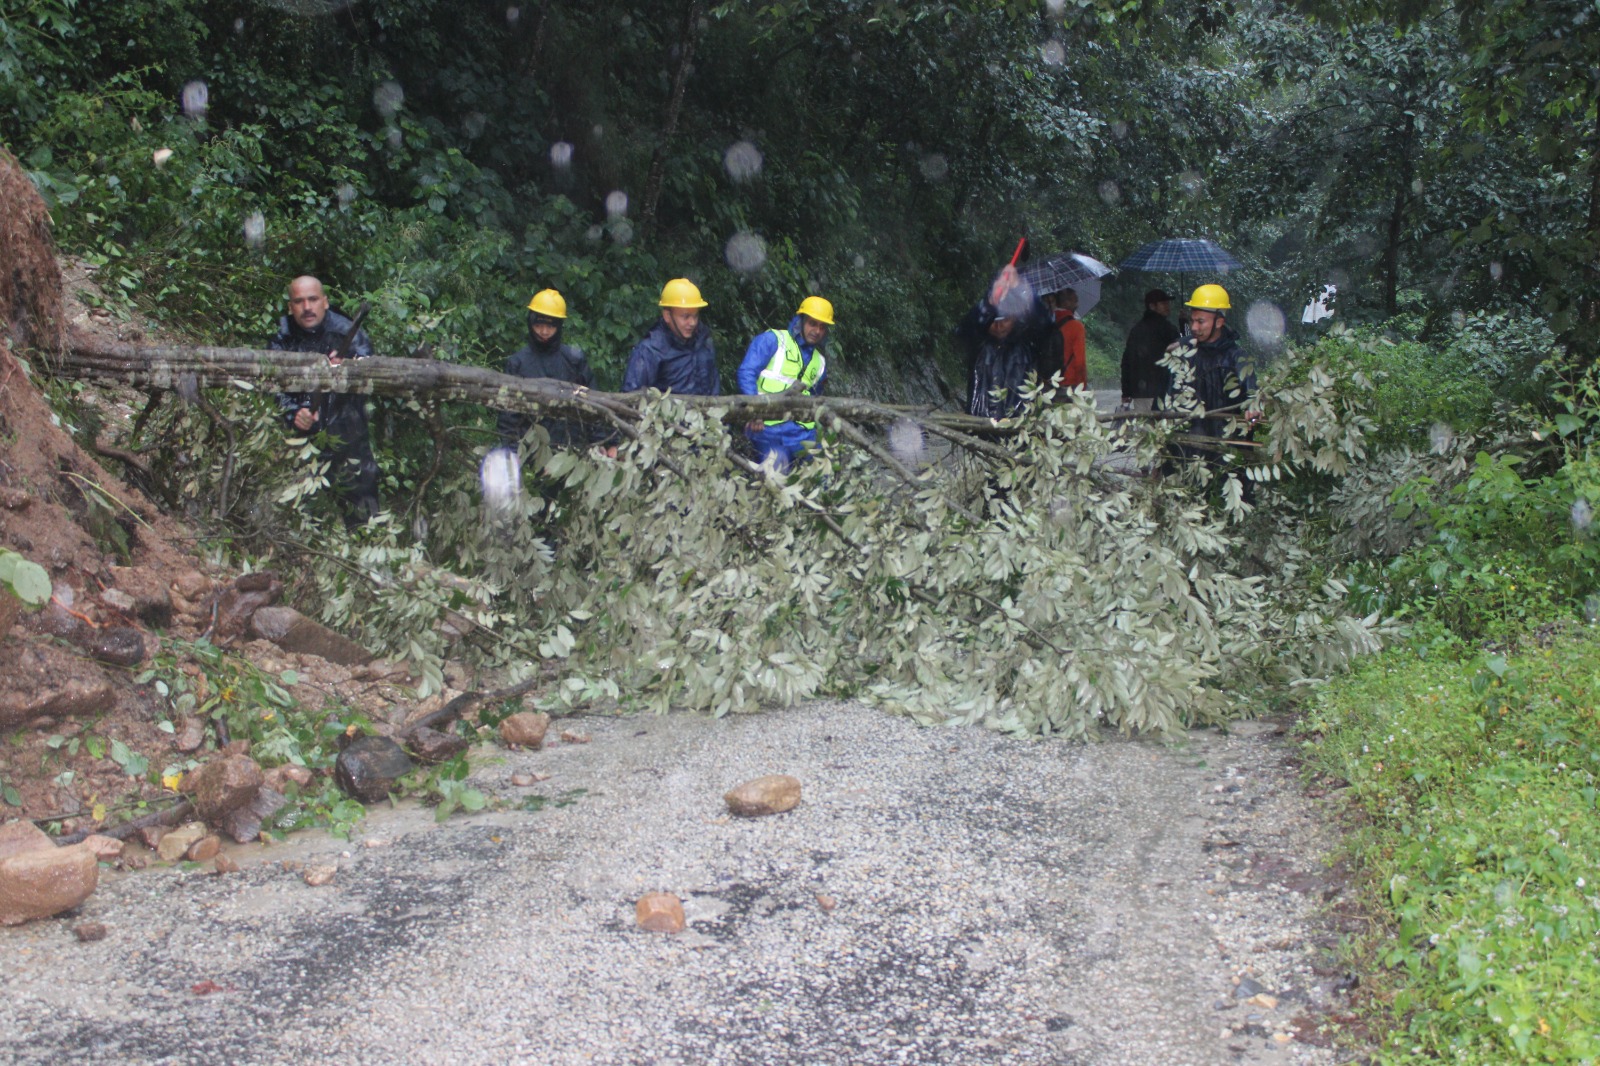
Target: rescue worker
x=545, y=356
x=1066, y=351
x=1144, y=380
x=312, y=326
x=1001, y=347
x=677, y=355
x=781, y=359
x=1222, y=375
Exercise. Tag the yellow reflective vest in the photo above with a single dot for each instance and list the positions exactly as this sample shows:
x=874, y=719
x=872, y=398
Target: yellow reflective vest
x=786, y=367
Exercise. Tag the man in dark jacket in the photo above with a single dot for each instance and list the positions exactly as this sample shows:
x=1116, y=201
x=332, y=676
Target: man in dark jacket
x=1144, y=380
x=677, y=355
x=1001, y=346
x=1222, y=375
x=312, y=326
x=545, y=356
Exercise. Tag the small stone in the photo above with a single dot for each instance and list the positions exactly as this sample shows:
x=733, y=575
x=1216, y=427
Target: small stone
x=192, y=585
x=827, y=903
x=106, y=849
x=189, y=735
x=1281, y=1038
x=317, y=876
x=224, y=865
x=569, y=736
x=152, y=600
x=89, y=932
x=116, y=646
x=434, y=746
x=117, y=600
x=772, y=794
x=204, y=849
x=660, y=912
x=1261, y=999
x=294, y=632
x=525, y=729
x=1247, y=987
x=177, y=842
x=527, y=780
x=150, y=836
x=244, y=823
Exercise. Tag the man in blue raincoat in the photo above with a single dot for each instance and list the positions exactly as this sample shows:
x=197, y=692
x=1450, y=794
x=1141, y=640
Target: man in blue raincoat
x=677, y=355
x=787, y=360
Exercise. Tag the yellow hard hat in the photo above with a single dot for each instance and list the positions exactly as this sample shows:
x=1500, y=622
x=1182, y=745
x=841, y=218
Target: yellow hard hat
x=818, y=308
x=682, y=293
x=548, y=302
x=1210, y=298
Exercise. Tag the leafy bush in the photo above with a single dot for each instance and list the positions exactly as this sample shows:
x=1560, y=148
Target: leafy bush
x=1478, y=780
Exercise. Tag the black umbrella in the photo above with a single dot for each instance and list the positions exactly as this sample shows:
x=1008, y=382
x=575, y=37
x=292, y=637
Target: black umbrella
x=1181, y=255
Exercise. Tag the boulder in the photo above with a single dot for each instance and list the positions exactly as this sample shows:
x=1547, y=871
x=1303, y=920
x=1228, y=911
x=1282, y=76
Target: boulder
x=279, y=778
x=244, y=823
x=772, y=794
x=116, y=645
x=525, y=729
x=224, y=785
x=660, y=912
x=189, y=735
x=237, y=604
x=192, y=585
x=47, y=681
x=205, y=849
x=175, y=843
x=369, y=767
x=294, y=632
x=432, y=746
x=20, y=836
x=44, y=881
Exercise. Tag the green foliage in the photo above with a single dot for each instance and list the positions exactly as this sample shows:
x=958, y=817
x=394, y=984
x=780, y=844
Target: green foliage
x=1477, y=777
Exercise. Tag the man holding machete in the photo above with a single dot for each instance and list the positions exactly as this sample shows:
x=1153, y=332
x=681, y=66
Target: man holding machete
x=312, y=326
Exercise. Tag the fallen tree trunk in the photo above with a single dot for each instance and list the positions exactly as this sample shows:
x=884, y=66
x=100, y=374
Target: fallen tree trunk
x=187, y=368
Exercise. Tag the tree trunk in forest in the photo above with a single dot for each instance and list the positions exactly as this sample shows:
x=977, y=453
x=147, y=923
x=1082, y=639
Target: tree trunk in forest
x=1397, y=217
x=669, y=124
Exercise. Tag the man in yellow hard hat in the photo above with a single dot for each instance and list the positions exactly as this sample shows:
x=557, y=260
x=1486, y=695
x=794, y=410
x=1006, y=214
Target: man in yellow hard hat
x=784, y=360
x=1222, y=376
x=677, y=355
x=546, y=356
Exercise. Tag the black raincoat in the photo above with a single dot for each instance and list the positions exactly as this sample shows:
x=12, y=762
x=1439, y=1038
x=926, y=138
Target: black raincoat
x=996, y=363
x=559, y=362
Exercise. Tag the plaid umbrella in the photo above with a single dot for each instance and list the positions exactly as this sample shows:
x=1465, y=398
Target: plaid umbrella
x=1181, y=255
x=1064, y=270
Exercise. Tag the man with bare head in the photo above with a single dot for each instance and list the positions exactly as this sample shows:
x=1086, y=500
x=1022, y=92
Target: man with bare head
x=313, y=326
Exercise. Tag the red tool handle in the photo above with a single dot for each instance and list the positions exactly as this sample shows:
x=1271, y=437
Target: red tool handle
x=1021, y=246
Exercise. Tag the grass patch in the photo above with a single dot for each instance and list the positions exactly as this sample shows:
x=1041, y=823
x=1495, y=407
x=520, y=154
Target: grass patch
x=1476, y=779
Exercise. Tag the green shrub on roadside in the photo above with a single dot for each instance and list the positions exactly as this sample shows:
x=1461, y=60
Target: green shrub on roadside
x=1480, y=842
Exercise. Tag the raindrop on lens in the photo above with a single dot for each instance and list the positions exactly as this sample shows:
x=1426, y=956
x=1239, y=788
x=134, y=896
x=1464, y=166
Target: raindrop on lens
x=1582, y=515
x=598, y=131
x=1192, y=183
x=512, y=15
x=907, y=442
x=1591, y=608
x=621, y=231
x=1441, y=437
x=255, y=230
x=501, y=476
x=1458, y=319
x=346, y=194
x=742, y=161
x=1110, y=193
x=195, y=98
x=1496, y=271
x=1416, y=186
x=394, y=137
x=473, y=124
x=595, y=232
x=859, y=261
x=1055, y=7
x=1119, y=130
x=745, y=252
x=387, y=98
x=419, y=527
x=160, y=156
x=1054, y=53
x=935, y=166
x=561, y=155
x=238, y=25
x=1265, y=322
x=616, y=204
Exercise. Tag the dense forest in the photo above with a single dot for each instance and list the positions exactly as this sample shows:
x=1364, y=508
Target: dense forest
x=1407, y=533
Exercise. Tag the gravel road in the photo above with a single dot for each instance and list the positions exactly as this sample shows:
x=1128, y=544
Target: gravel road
x=940, y=896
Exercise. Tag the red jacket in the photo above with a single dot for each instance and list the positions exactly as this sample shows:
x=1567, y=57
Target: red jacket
x=1072, y=356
